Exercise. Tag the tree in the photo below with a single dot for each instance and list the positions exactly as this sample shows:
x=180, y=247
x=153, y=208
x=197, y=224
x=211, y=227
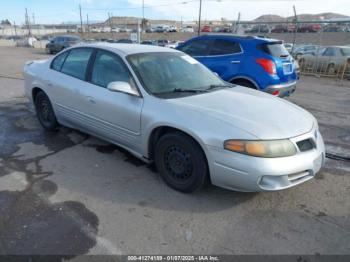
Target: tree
x=5, y=22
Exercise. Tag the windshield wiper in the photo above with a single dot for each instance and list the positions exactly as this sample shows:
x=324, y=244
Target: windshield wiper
x=211, y=87
x=181, y=90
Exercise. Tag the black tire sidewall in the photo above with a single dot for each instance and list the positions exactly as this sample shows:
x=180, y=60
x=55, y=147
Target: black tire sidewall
x=199, y=175
x=53, y=124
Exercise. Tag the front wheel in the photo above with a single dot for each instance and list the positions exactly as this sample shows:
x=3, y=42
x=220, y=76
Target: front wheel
x=44, y=112
x=181, y=162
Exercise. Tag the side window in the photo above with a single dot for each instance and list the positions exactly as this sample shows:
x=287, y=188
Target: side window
x=77, y=62
x=196, y=48
x=109, y=68
x=224, y=47
x=329, y=52
x=58, y=61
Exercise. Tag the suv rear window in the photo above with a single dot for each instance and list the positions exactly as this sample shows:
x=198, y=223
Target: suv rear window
x=275, y=49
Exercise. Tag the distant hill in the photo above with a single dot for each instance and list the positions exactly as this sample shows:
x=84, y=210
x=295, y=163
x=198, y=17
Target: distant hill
x=269, y=18
x=321, y=16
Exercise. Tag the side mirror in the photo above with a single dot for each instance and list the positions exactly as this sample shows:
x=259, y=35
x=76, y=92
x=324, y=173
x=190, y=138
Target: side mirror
x=122, y=87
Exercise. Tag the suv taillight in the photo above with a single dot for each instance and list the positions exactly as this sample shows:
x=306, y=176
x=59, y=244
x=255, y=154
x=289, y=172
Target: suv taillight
x=268, y=65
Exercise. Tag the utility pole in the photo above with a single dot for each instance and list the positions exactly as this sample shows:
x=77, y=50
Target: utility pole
x=27, y=22
x=295, y=27
x=200, y=16
x=110, y=22
x=143, y=14
x=237, y=23
x=14, y=24
x=87, y=23
x=81, y=22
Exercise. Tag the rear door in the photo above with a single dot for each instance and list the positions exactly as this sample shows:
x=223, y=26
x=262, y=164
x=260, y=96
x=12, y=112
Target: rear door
x=66, y=81
x=225, y=58
x=221, y=56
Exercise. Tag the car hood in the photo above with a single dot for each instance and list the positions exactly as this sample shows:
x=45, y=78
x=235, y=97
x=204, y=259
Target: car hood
x=258, y=113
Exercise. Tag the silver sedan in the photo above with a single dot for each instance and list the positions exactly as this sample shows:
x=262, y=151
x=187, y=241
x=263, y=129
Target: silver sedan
x=165, y=107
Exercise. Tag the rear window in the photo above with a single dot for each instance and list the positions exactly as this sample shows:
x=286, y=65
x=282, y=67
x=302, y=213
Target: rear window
x=275, y=49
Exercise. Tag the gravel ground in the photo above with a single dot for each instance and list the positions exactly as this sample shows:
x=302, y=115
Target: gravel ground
x=71, y=194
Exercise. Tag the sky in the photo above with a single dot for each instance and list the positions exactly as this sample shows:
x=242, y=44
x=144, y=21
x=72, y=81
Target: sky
x=46, y=11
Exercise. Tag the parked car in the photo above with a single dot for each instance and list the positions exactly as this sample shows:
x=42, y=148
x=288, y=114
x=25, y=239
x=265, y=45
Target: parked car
x=95, y=30
x=148, y=42
x=280, y=29
x=187, y=29
x=304, y=50
x=165, y=107
x=333, y=29
x=163, y=42
x=206, y=29
x=59, y=43
x=330, y=59
x=175, y=44
x=309, y=28
x=288, y=47
x=258, y=29
x=258, y=63
x=124, y=41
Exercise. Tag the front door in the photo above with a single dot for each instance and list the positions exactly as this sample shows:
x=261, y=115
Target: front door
x=113, y=115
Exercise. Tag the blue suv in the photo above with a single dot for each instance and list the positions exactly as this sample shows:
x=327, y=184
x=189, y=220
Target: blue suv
x=258, y=63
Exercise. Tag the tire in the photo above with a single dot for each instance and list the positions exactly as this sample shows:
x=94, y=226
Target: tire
x=181, y=162
x=302, y=64
x=246, y=83
x=45, y=113
x=331, y=69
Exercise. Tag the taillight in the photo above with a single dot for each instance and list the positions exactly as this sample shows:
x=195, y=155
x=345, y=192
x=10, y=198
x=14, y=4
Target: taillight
x=276, y=93
x=268, y=65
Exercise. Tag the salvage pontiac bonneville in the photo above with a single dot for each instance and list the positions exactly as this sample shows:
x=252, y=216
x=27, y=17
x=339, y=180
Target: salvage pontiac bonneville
x=165, y=107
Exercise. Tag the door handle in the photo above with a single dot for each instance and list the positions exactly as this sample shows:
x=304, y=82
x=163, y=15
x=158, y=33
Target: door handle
x=91, y=100
x=235, y=62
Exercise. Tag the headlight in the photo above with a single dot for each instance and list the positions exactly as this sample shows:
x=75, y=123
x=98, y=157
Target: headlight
x=262, y=148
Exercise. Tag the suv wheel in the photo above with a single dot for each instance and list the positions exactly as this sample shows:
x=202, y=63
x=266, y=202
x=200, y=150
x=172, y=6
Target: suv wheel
x=181, y=162
x=243, y=82
x=44, y=112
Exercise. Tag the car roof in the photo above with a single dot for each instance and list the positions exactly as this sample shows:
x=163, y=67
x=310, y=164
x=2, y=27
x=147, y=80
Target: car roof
x=128, y=49
x=238, y=37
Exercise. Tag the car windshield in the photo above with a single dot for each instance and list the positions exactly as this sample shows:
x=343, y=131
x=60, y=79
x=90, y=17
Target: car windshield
x=345, y=51
x=168, y=72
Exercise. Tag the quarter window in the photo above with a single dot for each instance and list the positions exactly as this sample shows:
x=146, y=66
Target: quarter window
x=77, y=62
x=224, y=47
x=109, y=68
x=58, y=61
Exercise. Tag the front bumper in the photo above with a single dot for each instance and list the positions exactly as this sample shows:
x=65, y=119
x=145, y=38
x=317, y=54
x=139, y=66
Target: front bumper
x=284, y=89
x=254, y=174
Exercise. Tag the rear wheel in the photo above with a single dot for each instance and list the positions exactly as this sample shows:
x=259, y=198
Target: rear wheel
x=45, y=113
x=331, y=69
x=181, y=162
x=243, y=82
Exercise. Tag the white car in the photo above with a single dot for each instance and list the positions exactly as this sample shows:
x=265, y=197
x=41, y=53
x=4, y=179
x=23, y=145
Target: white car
x=165, y=107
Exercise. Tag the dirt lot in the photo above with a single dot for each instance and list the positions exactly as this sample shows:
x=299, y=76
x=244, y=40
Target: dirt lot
x=69, y=193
